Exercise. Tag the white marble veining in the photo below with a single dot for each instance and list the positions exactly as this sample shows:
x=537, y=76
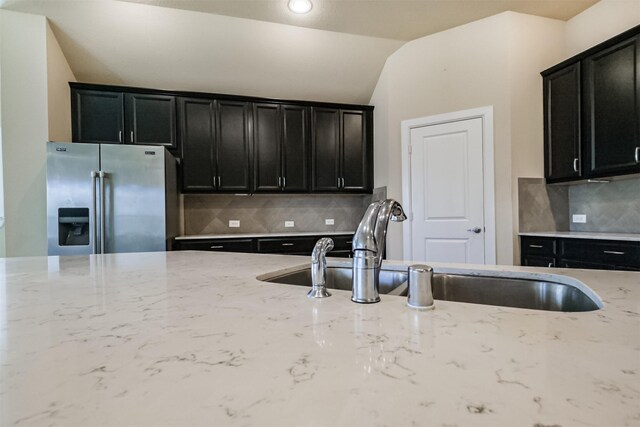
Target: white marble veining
x=629, y=237
x=192, y=338
x=260, y=235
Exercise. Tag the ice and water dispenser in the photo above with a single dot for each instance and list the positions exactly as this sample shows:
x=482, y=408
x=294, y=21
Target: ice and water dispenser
x=73, y=226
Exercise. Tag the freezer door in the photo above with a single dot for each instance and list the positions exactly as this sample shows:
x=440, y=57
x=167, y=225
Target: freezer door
x=134, y=197
x=70, y=207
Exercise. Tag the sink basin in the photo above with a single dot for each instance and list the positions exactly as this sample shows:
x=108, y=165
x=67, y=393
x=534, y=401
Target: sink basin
x=500, y=291
x=340, y=278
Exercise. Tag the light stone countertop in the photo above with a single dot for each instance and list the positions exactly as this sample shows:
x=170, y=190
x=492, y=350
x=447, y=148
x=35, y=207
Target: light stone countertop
x=263, y=235
x=630, y=237
x=192, y=338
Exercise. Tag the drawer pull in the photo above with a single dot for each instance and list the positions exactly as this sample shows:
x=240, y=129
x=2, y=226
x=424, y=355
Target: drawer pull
x=217, y=247
x=349, y=242
x=536, y=246
x=287, y=244
x=613, y=252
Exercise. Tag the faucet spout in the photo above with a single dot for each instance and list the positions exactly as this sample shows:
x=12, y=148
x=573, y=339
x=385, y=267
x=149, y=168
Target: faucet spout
x=368, y=248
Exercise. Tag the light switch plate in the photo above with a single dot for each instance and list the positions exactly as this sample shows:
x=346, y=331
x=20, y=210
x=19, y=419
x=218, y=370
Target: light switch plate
x=234, y=223
x=289, y=224
x=579, y=219
x=328, y=221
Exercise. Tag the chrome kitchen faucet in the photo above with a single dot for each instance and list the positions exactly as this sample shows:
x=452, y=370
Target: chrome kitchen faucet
x=368, y=248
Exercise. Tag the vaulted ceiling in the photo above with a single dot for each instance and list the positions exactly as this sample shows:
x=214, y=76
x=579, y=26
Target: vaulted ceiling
x=255, y=47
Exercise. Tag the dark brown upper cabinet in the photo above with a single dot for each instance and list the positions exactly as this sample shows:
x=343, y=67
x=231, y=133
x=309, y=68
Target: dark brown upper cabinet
x=280, y=135
x=342, y=150
x=562, y=124
x=236, y=144
x=97, y=116
x=592, y=112
x=215, y=145
x=151, y=119
x=111, y=115
x=611, y=104
x=197, y=136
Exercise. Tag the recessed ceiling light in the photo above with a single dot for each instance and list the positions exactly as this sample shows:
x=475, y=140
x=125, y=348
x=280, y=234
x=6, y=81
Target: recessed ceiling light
x=300, y=6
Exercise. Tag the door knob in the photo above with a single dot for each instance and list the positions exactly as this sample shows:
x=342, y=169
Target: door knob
x=475, y=230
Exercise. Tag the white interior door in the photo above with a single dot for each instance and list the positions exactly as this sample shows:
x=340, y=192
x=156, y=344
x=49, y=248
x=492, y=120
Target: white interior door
x=447, y=192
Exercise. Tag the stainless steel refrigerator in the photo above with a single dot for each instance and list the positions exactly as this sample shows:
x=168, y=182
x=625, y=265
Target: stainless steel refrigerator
x=108, y=198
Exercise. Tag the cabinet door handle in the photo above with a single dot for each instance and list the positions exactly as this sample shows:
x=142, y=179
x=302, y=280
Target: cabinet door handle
x=637, y=156
x=613, y=252
x=132, y=137
x=349, y=242
x=287, y=244
x=279, y=181
x=342, y=182
x=536, y=246
x=550, y=264
x=575, y=165
x=217, y=247
x=338, y=182
x=284, y=182
x=119, y=136
x=218, y=182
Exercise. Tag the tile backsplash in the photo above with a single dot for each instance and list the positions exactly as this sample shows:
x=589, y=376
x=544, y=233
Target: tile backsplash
x=542, y=207
x=610, y=207
x=261, y=213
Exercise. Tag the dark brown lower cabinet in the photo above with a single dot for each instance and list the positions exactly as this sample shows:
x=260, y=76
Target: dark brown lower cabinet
x=294, y=245
x=579, y=253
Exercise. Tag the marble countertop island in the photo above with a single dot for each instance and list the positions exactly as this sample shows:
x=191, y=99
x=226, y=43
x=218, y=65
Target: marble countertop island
x=192, y=338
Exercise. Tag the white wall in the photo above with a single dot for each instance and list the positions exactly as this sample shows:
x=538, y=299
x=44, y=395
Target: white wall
x=35, y=107
x=470, y=66
x=59, y=75
x=600, y=22
x=24, y=131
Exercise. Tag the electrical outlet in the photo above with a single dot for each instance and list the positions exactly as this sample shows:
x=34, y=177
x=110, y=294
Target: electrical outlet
x=289, y=224
x=579, y=219
x=328, y=221
x=234, y=223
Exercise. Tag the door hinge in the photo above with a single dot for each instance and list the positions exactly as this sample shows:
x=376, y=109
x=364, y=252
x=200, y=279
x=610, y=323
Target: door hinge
x=409, y=149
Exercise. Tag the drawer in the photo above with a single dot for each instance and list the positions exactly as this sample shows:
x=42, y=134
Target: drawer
x=341, y=243
x=538, y=245
x=538, y=261
x=221, y=245
x=288, y=245
x=602, y=252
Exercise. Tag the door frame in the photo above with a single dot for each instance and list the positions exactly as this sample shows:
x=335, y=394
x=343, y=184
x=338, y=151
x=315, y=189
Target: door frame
x=486, y=115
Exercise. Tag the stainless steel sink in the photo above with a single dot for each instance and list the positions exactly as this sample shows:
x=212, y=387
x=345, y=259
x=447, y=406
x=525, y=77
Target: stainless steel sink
x=500, y=291
x=340, y=278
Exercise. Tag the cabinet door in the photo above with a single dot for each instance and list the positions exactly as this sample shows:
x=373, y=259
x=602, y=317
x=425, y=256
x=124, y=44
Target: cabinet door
x=151, y=119
x=295, y=149
x=266, y=145
x=565, y=263
x=356, y=152
x=325, y=149
x=97, y=116
x=538, y=261
x=612, y=109
x=232, y=143
x=197, y=135
x=562, y=124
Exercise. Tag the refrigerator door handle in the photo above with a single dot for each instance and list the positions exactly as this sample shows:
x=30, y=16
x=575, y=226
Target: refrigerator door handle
x=103, y=236
x=94, y=206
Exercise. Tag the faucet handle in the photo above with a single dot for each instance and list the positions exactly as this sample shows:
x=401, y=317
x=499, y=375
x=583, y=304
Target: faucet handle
x=420, y=294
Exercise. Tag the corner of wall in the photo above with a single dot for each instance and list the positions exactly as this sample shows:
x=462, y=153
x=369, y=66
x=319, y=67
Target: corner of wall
x=59, y=74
